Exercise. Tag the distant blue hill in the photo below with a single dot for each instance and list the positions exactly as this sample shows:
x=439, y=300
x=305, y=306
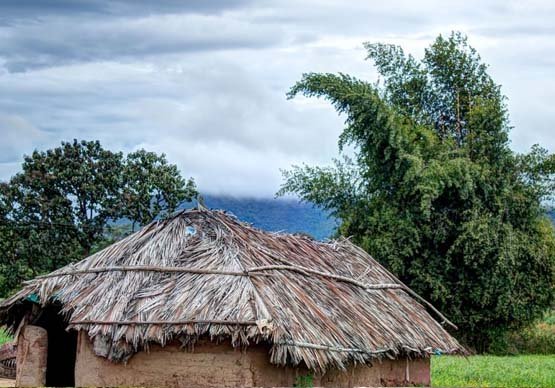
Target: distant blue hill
x=275, y=215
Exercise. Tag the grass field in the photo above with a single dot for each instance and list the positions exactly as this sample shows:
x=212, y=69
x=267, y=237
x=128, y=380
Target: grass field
x=494, y=371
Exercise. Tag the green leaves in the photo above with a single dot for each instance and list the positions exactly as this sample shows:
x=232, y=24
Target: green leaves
x=152, y=187
x=57, y=208
x=434, y=191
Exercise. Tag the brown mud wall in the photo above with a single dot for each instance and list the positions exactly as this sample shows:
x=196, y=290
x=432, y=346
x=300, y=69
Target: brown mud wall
x=213, y=365
x=32, y=351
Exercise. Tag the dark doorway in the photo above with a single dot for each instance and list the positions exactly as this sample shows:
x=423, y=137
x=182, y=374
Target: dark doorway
x=62, y=347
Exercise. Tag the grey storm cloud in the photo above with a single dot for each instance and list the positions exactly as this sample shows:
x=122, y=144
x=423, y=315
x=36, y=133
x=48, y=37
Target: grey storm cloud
x=12, y=9
x=205, y=81
x=57, y=40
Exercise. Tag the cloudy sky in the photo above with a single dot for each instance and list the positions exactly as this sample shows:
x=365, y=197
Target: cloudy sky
x=205, y=81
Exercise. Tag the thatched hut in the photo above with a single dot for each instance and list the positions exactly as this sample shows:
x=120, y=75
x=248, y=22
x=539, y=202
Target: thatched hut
x=201, y=299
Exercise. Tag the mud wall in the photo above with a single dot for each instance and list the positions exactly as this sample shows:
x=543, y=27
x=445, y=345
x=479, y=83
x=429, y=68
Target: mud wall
x=219, y=365
x=32, y=350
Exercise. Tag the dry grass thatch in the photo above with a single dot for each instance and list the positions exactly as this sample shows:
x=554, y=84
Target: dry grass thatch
x=203, y=273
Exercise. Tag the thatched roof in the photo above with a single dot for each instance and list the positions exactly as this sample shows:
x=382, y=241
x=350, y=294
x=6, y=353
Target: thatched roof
x=204, y=273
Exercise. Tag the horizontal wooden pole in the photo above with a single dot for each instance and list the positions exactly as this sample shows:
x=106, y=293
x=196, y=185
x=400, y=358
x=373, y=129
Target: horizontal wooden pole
x=161, y=322
x=331, y=348
x=250, y=271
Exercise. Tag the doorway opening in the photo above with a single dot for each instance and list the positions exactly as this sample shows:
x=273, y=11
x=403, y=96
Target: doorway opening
x=62, y=348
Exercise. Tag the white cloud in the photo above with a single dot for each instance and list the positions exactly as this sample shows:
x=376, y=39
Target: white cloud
x=17, y=134
x=206, y=85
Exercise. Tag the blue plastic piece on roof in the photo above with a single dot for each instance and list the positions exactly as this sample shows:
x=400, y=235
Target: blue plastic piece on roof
x=190, y=231
x=438, y=352
x=33, y=298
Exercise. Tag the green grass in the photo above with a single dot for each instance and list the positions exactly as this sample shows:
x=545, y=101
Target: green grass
x=4, y=336
x=534, y=371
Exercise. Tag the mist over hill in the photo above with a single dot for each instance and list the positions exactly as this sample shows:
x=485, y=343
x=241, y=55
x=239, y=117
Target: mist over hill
x=285, y=215
x=276, y=215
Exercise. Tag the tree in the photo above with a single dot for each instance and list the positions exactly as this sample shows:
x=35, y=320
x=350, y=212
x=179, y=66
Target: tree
x=76, y=185
x=152, y=187
x=58, y=208
x=433, y=190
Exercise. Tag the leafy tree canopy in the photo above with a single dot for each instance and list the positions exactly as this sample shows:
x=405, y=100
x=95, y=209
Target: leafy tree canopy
x=152, y=187
x=433, y=190
x=58, y=208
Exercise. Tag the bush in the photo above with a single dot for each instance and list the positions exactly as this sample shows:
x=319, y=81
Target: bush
x=538, y=338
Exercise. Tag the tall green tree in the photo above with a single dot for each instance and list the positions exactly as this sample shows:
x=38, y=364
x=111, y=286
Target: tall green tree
x=57, y=209
x=74, y=186
x=433, y=190
x=152, y=187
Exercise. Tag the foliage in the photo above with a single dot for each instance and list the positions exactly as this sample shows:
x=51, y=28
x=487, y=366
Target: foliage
x=549, y=317
x=58, y=207
x=112, y=233
x=152, y=187
x=5, y=336
x=75, y=186
x=304, y=381
x=538, y=338
x=434, y=191
x=493, y=371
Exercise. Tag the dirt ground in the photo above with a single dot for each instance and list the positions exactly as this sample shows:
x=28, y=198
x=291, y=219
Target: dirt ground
x=7, y=383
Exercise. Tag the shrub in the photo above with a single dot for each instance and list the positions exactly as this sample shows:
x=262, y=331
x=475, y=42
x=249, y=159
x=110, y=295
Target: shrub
x=538, y=338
